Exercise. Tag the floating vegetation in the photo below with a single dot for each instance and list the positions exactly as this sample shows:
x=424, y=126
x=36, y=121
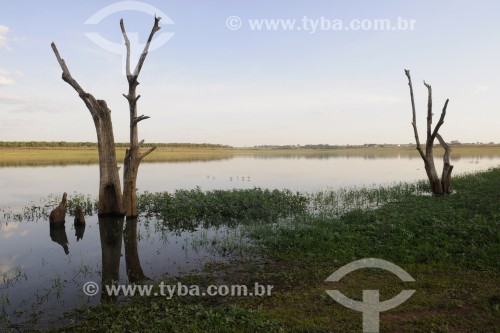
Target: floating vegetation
x=335, y=203
x=190, y=209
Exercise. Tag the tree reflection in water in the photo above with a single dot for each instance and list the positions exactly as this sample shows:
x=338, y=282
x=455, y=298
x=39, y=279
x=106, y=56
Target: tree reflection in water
x=112, y=233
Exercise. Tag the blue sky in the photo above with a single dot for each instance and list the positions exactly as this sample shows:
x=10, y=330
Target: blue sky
x=245, y=87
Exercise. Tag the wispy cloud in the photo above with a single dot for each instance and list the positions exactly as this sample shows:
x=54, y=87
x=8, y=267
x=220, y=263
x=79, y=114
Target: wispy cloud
x=5, y=79
x=31, y=104
x=4, y=30
x=479, y=89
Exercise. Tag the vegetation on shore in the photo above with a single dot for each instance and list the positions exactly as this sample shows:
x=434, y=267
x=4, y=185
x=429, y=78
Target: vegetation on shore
x=64, y=144
x=86, y=153
x=449, y=244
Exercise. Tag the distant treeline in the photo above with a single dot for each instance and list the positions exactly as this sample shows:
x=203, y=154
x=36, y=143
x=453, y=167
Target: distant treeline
x=366, y=145
x=323, y=146
x=54, y=144
x=319, y=146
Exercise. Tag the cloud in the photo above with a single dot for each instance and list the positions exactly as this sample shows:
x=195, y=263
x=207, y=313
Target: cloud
x=5, y=79
x=31, y=104
x=4, y=30
x=479, y=89
x=12, y=99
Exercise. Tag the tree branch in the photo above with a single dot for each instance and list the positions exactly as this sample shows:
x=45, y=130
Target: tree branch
x=66, y=75
x=447, y=150
x=440, y=122
x=133, y=77
x=414, y=121
x=155, y=28
x=93, y=105
x=140, y=118
x=149, y=151
x=127, y=45
x=134, y=100
x=429, y=112
x=447, y=167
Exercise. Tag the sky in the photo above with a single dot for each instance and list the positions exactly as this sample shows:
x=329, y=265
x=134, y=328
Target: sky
x=320, y=72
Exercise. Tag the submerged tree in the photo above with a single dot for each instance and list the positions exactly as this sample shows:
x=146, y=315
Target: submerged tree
x=438, y=186
x=111, y=199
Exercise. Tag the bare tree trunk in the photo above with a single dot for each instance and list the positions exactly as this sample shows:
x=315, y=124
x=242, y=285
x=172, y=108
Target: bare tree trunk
x=110, y=196
x=133, y=155
x=447, y=167
x=438, y=186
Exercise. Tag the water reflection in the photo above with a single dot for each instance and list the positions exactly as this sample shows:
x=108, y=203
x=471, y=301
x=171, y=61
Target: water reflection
x=58, y=235
x=458, y=154
x=79, y=231
x=111, y=235
x=41, y=279
x=163, y=247
x=69, y=161
x=132, y=262
x=297, y=172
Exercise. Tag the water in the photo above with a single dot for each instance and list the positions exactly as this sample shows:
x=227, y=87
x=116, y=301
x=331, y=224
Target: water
x=41, y=280
x=308, y=173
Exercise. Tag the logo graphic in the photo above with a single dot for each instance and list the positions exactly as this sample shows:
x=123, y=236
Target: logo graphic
x=371, y=305
x=136, y=46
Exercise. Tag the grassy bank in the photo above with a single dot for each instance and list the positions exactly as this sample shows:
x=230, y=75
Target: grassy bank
x=89, y=155
x=19, y=156
x=449, y=244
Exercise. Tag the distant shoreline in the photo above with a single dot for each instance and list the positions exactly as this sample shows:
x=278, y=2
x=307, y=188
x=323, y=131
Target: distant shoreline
x=203, y=146
x=12, y=156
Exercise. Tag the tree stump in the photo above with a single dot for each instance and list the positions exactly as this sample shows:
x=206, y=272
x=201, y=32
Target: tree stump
x=79, y=216
x=58, y=216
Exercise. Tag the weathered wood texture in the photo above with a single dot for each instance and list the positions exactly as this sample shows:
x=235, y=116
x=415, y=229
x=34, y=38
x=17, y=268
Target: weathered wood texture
x=111, y=199
x=57, y=216
x=438, y=186
x=133, y=155
x=110, y=195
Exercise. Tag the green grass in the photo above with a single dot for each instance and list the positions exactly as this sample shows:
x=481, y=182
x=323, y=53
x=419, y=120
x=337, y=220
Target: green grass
x=449, y=244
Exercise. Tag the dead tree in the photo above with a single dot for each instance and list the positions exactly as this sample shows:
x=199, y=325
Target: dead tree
x=438, y=186
x=110, y=196
x=133, y=155
x=111, y=199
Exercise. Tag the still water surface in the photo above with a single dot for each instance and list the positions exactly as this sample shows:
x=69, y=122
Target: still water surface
x=43, y=278
x=309, y=173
